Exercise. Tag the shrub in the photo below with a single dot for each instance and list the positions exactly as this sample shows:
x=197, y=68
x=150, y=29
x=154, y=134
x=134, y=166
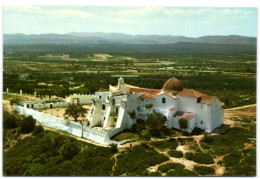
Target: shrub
x=37, y=130
x=155, y=174
x=166, y=144
x=27, y=124
x=69, y=150
x=134, y=162
x=203, y=170
x=176, y=154
x=181, y=172
x=183, y=123
x=232, y=159
x=9, y=121
x=169, y=166
x=125, y=135
x=207, y=138
x=200, y=157
x=113, y=148
x=155, y=123
x=15, y=100
x=197, y=131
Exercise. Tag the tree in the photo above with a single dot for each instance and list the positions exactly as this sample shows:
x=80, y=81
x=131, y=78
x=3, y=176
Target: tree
x=15, y=100
x=75, y=111
x=9, y=121
x=183, y=123
x=69, y=150
x=37, y=130
x=155, y=123
x=27, y=125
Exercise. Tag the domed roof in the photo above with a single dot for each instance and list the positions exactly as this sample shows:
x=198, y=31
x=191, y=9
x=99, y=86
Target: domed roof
x=173, y=84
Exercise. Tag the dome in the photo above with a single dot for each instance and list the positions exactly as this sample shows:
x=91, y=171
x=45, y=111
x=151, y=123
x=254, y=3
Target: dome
x=173, y=84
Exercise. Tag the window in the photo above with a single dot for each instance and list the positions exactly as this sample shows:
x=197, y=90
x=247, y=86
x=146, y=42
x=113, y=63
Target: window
x=32, y=105
x=138, y=108
x=104, y=118
x=28, y=106
x=108, y=98
x=114, y=101
x=103, y=107
x=163, y=100
x=116, y=110
x=142, y=99
x=201, y=122
x=198, y=99
x=99, y=97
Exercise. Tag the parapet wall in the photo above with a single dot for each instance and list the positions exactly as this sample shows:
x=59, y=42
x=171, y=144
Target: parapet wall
x=82, y=98
x=75, y=128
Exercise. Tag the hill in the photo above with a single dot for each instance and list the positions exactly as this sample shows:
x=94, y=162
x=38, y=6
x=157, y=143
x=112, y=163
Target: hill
x=119, y=38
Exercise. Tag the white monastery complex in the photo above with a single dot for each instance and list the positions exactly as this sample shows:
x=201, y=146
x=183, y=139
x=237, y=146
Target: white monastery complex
x=119, y=108
x=123, y=104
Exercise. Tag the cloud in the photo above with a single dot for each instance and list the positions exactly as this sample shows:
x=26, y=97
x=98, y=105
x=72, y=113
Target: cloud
x=124, y=21
x=47, y=12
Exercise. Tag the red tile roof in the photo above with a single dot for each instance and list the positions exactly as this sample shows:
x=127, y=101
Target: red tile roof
x=208, y=99
x=184, y=115
x=190, y=93
x=148, y=93
x=169, y=94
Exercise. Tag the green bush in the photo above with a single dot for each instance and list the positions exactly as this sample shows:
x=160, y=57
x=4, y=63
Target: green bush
x=165, y=144
x=68, y=151
x=15, y=100
x=113, y=148
x=200, y=157
x=207, y=138
x=37, y=130
x=124, y=136
x=183, y=123
x=155, y=123
x=135, y=161
x=233, y=140
x=181, y=172
x=185, y=141
x=176, y=154
x=203, y=170
x=170, y=166
x=27, y=124
x=155, y=174
x=9, y=121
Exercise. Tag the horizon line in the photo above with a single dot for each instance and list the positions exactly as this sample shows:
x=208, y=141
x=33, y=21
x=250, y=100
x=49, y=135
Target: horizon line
x=130, y=34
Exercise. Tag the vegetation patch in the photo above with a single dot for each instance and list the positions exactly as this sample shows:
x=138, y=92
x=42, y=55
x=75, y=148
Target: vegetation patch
x=200, y=157
x=240, y=163
x=203, y=170
x=170, y=166
x=233, y=140
x=51, y=154
x=155, y=174
x=165, y=144
x=135, y=161
x=125, y=136
x=181, y=172
x=183, y=123
x=175, y=153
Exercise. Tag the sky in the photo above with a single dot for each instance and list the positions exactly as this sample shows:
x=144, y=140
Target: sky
x=135, y=20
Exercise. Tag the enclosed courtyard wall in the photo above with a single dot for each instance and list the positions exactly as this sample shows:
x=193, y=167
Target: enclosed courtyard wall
x=75, y=128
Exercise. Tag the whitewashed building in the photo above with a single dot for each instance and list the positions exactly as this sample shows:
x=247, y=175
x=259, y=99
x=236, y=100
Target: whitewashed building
x=119, y=107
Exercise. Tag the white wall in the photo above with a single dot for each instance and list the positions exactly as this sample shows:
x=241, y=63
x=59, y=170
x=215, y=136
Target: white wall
x=83, y=99
x=174, y=123
x=75, y=128
x=188, y=104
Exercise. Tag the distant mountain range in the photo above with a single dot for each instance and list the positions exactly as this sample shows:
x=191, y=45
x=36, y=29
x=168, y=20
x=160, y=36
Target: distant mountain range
x=119, y=38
